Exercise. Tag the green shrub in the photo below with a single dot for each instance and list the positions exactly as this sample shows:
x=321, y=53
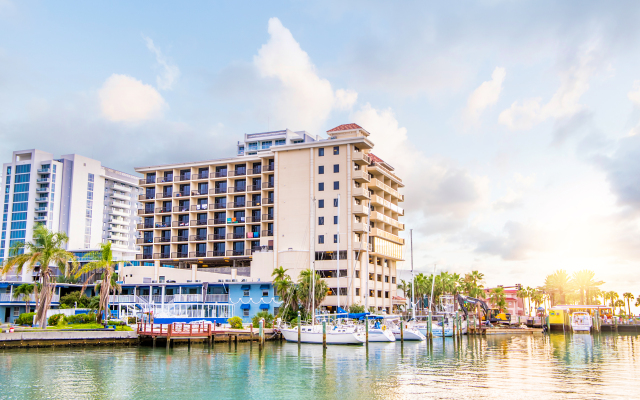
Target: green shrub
x=123, y=328
x=356, y=308
x=55, y=319
x=25, y=319
x=71, y=299
x=94, y=303
x=80, y=319
x=132, y=320
x=235, y=322
x=268, y=319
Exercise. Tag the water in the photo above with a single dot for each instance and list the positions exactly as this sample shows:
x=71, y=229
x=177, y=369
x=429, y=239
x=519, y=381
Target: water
x=523, y=367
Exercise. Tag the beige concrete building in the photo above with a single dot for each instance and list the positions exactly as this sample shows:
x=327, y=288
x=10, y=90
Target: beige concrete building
x=287, y=199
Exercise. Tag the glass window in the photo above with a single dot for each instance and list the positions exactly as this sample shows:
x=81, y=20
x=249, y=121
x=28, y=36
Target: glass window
x=321, y=169
x=266, y=144
x=335, y=220
x=336, y=185
x=265, y=293
x=9, y=170
x=320, y=239
x=335, y=238
x=336, y=168
x=245, y=293
x=321, y=186
x=335, y=202
x=320, y=220
x=245, y=313
x=281, y=142
x=22, y=169
x=336, y=150
x=89, y=195
x=20, y=188
x=253, y=146
x=320, y=203
x=320, y=152
x=91, y=178
x=90, y=186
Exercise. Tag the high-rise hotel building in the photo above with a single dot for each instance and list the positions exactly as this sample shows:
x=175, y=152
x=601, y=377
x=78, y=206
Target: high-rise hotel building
x=92, y=204
x=287, y=199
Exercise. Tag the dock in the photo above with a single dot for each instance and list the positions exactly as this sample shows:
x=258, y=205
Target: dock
x=55, y=338
x=512, y=331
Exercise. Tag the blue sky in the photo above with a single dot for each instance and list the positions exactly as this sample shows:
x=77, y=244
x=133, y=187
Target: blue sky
x=514, y=124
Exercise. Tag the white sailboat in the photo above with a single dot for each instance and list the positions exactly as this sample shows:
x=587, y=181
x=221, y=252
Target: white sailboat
x=380, y=333
x=581, y=322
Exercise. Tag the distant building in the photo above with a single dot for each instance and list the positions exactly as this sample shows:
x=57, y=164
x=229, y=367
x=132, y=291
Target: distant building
x=515, y=304
x=278, y=202
x=91, y=203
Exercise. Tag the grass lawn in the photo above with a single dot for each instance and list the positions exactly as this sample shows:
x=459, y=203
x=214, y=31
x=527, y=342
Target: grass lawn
x=88, y=326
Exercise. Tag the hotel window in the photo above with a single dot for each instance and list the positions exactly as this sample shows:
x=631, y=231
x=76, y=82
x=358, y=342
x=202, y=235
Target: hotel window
x=320, y=239
x=335, y=238
x=265, y=293
x=357, y=273
x=281, y=142
x=371, y=276
x=321, y=169
x=336, y=185
x=320, y=220
x=245, y=293
x=380, y=294
x=253, y=146
x=320, y=152
x=321, y=186
x=321, y=203
x=335, y=220
x=379, y=278
x=336, y=150
x=357, y=291
x=335, y=202
x=336, y=168
x=393, y=279
x=245, y=313
x=266, y=145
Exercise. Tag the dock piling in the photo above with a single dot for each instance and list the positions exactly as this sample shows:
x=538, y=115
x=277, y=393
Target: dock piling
x=366, y=326
x=299, y=329
x=401, y=330
x=261, y=334
x=324, y=334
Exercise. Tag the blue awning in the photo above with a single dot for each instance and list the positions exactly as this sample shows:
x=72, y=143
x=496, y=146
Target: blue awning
x=264, y=306
x=245, y=306
x=245, y=287
x=264, y=286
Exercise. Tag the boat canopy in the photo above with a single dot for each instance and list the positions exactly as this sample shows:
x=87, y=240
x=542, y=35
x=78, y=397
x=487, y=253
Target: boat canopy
x=342, y=313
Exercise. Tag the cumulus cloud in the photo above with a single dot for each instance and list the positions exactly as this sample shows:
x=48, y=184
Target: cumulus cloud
x=574, y=82
x=516, y=242
x=126, y=99
x=484, y=96
x=623, y=171
x=515, y=193
x=170, y=73
x=634, y=96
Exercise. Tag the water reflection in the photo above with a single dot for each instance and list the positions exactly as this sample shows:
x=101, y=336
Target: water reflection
x=558, y=366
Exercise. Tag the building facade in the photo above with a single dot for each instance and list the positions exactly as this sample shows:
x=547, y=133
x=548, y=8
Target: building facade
x=287, y=199
x=73, y=194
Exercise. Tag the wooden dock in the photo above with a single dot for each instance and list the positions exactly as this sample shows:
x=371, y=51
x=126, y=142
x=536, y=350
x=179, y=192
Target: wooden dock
x=512, y=331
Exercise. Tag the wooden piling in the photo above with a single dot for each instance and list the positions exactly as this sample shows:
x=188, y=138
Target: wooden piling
x=168, y=337
x=324, y=334
x=261, y=334
x=299, y=328
x=366, y=325
x=401, y=331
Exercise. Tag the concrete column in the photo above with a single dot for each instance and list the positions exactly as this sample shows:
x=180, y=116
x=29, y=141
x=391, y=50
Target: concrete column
x=194, y=269
x=163, y=292
x=156, y=270
x=234, y=273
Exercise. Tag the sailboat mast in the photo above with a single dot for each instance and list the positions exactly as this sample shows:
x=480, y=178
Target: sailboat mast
x=313, y=272
x=413, y=289
x=433, y=284
x=338, y=251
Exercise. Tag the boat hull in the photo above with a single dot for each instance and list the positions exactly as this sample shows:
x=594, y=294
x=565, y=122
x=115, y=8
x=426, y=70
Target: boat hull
x=291, y=335
x=379, y=335
x=409, y=334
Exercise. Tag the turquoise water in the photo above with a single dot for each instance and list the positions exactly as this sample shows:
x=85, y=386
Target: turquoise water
x=506, y=367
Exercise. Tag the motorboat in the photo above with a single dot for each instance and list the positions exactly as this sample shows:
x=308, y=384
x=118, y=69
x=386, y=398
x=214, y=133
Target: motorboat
x=336, y=334
x=410, y=333
x=380, y=333
x=581, y=322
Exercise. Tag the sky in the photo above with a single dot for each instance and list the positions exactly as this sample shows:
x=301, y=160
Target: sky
x=513, y=124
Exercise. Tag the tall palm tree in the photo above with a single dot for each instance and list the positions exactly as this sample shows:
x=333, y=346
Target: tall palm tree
x=304, y=289
x=620, y=305
x=613, y=296
x=46, y=250
x=584, y=281
x=628, y=297
x=522, y=293
x=103, y=263
x=557, y=284
x=25, y=290
x=498, y=298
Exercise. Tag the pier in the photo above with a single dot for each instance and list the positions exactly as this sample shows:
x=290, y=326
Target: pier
x=169, y=333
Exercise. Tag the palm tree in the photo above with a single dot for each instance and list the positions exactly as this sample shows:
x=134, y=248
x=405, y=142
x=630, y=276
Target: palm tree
x=522, y=293
x=584, y=281
x=46, y=250
x=498, y=298
x=472, y=284
x=620, y=305
x=628, y=297
x=612, y=296
x=558, y=284
x=25, y=290
x=305, y=289
x=103, y=263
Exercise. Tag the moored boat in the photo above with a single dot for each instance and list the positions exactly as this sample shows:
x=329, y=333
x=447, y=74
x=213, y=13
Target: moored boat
x=581, y=322
x=335, y=334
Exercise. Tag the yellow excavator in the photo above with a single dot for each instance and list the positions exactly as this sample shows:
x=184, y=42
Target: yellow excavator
x=492, y=315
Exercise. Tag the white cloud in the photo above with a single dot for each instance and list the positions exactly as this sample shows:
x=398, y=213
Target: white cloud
x=126, y=99
x=302, y=100
x=485, y=95
x=634, y=96
x=170, y=73
x=574, y=82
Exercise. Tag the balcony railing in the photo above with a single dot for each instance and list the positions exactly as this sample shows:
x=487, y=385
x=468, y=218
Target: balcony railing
x=144, y=226
x=200, y=207
x=216, y=236
x=254, y=203
x=204, y=192
x=165, y=179
x=179, y=223
x=361, y=158
x=253, y=188
x=40, y=218
x=361, y=176
x=389, y=236
x=44, y=189
x=144, y=240
x=184, y=208
x=184, y=177
x=164, y=195
x=193, y=254
x=161, y=255
x=163, y=210
x=179, y=255
x=266, y=233
x=238, y=172
x=215, y=254
x=231, y=253
x=253, y=235
x=236, y=204
x=254, y=218
x=149, y=196
x=144, y=256
x=266, y=201
x=44, y=170
x=198, y=222
x=237, y=189
x=218, y=190
x=216, y=298
x=360, y=193
x=163, y=224
x=254, y=171
x=219, y=221
x=221, y=174
x=41, y=209
x=42, y=199
x=180, y=238
x=202, y=175
x=43, y=180
x=144, y=211
x=267, y=217
x=219, y=206
x=235, y=235
x=268, y=168
x=187, y=298
x=181, y=194
x=198, y=238
x=161, y=239
x=267, y=185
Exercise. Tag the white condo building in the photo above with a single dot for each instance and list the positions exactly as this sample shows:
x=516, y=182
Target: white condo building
x=91, y=203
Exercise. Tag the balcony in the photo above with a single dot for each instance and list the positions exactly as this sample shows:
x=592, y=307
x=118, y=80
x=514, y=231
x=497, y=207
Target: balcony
x=233, y=236
x=254, y=171
x=164, y=195
x=267, y=217
x=204, y=192
x=176, y=224
x=268, y=168
x=183, y=208
x=218, y=190
x=217, y=236
x=121, y=196
x=122, y=188
x=254, y=218
x=144, y=226
x=198, y=238
x=231, y=253
x=360, y=227
x=44, y=170
x=359, y=209
x=179, y=255
x=119, y=211
x=386, y=203
x=150, y=180
x=39, y=209
x=360, y=193
x=253, y=188
x=42, y=199
x=162, y=239
x=376, y=216
x=267, y=185
x=165, y=179
x=197, y=254
x=149, y=196
x=237, y=189
x=361, y=176
x=40, y=218
x=118, y=228
x=42, y=189
x=161, y=255
x=144, y=211
x=360, y=246
x=181, y=194
x=144, y=256
x=200, y=207
x=215, y=254
x=254, y=203
x=378, y=184
x=386, y=235
x=267, y=201
x=201, y=175
x=238, y=172
x=234, y=204
x=220, y=221
x=163, y=210
x=184, y=177
x=266, y=233
x=180, y=238
x=120, y=204
x=144, y=240
x=360, y=158
x=253, y=235
x=221, y=174
x=160, y=225
x=198, y=222
x=216, y=298
x=43, y=180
